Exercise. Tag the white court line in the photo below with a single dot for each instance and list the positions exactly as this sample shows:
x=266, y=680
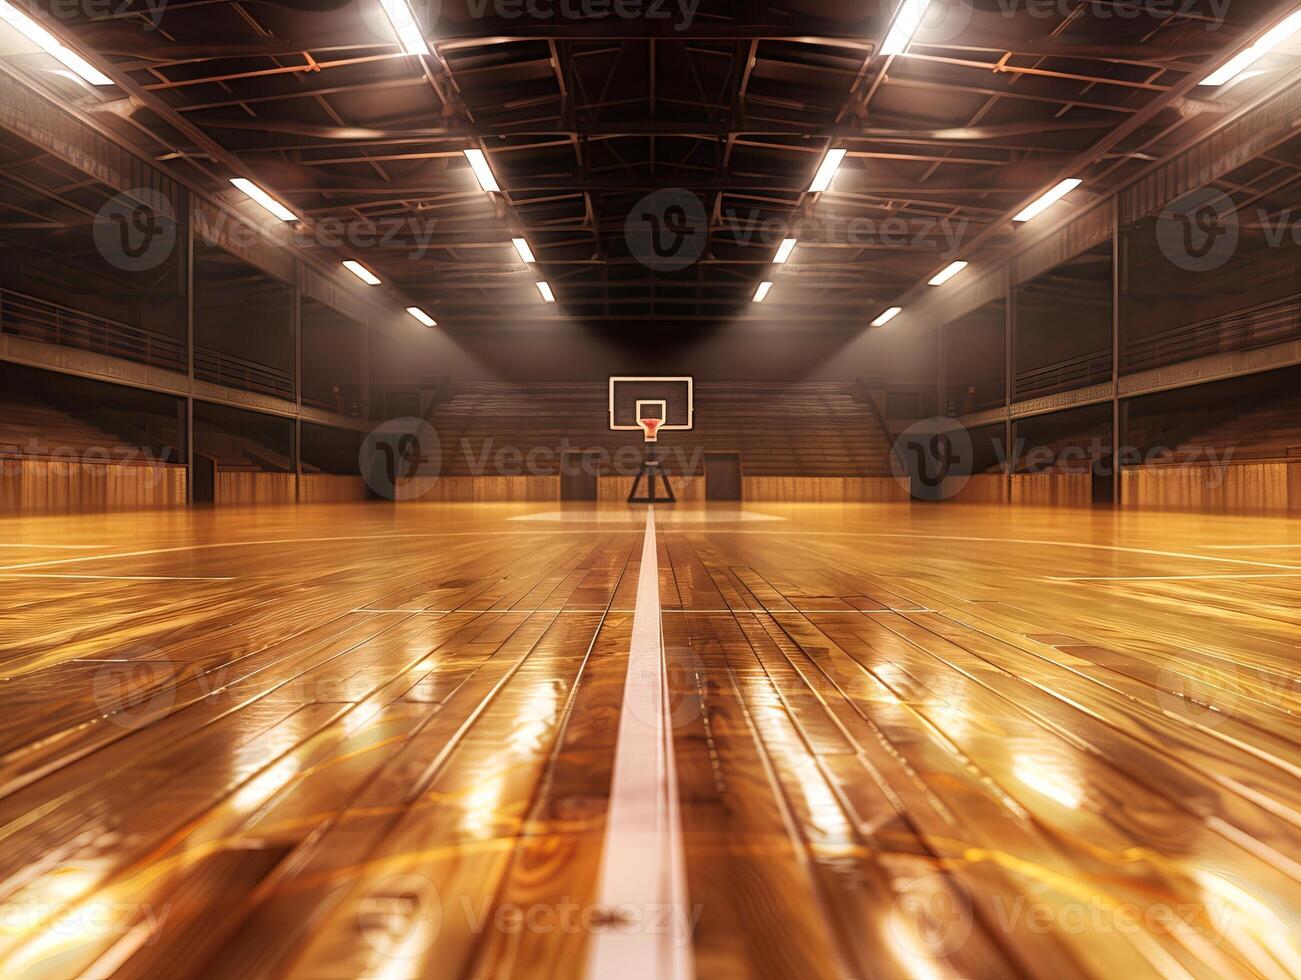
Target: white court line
x=257, y=544
x=1250, y=547
x=643, y=865
x=1172, y=578
x=922, y=536
x=119, y=578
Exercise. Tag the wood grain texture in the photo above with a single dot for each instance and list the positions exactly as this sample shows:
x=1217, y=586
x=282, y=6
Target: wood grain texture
x=71, y=485
x=1245, y=488
x=1052, y=489
x=324, y=488
x=357, y=740
x=245, y=489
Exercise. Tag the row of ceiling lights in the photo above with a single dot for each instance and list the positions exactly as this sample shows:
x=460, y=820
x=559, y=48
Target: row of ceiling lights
x=412, y=40
x=906, y=23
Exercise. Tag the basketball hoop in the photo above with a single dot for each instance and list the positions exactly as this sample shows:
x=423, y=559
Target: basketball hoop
x=651, y=417
x=652, y=429
x=651, y=406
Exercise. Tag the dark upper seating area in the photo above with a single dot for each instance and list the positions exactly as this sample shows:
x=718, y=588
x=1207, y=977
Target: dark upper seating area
x=809, y=429
x=1269, y=431
x=40, y=429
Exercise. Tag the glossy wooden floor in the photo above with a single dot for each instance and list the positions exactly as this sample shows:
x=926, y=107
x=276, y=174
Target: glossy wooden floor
x=365, y=741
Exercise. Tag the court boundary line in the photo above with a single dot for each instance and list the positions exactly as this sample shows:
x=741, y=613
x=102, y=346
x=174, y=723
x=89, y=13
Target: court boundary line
x=643, y=861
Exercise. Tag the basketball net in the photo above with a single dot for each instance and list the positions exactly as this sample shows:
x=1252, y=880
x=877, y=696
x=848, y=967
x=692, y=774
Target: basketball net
x=652, y=428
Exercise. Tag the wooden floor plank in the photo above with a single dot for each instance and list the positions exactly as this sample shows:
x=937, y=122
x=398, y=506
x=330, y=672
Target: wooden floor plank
x=367, y=741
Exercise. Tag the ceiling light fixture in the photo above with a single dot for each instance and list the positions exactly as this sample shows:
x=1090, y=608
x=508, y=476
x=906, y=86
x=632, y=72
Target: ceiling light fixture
x=827, y=172
x=525, y=253
x=784, y=250
x=545, y=289
x=267, y=202
x=424, y=318
x=405, y=26
x=361, y=272
x=482, y=172
x=762, y=292
x=949, y=272
x=906, y=21
x=1048, y=200
x=1245, y=59
x=887, y=316
x=51, y=45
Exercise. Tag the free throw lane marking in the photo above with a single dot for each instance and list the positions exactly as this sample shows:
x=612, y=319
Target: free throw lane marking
x=646, y=932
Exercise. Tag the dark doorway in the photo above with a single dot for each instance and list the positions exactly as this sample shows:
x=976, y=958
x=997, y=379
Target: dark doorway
x=723, y=476
x=205, y=479
x=578, y=476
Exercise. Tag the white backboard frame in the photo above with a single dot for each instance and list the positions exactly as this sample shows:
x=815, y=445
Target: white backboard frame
x=691, y=403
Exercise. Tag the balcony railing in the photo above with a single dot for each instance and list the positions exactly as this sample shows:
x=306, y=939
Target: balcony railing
x=1261, y=326
x=235, y=372
x=1068, y=375
x=38, y=319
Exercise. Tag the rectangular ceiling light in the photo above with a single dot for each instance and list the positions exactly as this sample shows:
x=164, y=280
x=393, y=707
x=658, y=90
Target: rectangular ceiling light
x=268, y=202
x=361, y=272
x=784, y=250
x=949, y=272
x=827, y=172
x=762, y=292
x=51, y=45
x=1048, y=200
x=545, y=289
x=525, y=253
x=887, y=316
x=424, y=318
x=482, y=172
x=906, y=22
x=405, y=26
x=1271, y=40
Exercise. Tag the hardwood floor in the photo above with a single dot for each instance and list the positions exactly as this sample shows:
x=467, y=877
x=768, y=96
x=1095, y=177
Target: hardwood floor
x=372, y=741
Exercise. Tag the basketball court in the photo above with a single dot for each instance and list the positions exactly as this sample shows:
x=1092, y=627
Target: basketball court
x=690, y=491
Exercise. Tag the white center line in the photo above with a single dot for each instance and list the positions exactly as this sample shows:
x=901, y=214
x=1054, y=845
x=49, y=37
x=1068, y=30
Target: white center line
x=120, y=578
x=643, y=865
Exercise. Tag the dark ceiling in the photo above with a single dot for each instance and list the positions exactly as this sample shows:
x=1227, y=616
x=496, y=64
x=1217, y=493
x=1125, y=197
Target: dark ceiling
x=581, y=118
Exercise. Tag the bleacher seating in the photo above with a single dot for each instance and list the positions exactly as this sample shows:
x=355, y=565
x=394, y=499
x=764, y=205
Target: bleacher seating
x=1271, y=431
x=39, y=429
x=810, y=429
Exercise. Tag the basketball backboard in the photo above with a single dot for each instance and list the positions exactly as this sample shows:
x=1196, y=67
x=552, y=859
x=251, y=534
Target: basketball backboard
x=652, y=405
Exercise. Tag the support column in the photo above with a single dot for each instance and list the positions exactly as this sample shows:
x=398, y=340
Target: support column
x=365, y=372
x=941, y=374
x=297, y=319
x=188, y=411
x=1118, y=430
x=1009, y=355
